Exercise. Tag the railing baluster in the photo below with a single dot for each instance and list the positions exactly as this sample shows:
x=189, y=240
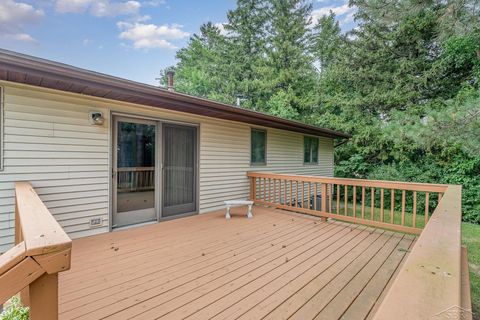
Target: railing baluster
x=309, y=195
x=363, y=202
x=279, y=191
x=414, y=213
x=267, y=199
x=271, y=193
x=345, y=209
x=354, y=201
x=338, y=199
x=315, y=196
x=372, y=203
x=274, y=190
x=403, y=207
x=264, y=190
x=392, y=205
x=427, y=202
x=330, y=199
x=439, y=197
x=381, y=204
x=291, y=193
x=297, y=186
x=324, y=187
x=302, y=204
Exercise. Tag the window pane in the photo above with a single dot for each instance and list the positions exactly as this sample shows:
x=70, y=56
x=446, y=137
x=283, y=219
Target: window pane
x=258, y=146
x=314, y=150
x=310, y=150
x=306, y=149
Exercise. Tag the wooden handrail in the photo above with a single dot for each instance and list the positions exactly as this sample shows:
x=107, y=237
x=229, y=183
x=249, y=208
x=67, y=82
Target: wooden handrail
x=352, y=200
x=43, y=250
x=411, y=186
x=429, y=284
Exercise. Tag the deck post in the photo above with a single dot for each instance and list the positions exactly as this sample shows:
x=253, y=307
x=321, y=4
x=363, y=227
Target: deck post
x=44, y=297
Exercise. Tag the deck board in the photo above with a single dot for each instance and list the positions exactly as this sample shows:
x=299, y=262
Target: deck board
x=274, y=266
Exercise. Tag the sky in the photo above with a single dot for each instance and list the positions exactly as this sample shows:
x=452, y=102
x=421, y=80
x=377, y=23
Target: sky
x=132, y=39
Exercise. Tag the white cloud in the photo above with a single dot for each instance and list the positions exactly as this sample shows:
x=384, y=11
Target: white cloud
x=147, y=36
x=154, y=3
x=98, y=8
x=14, y=16
x=221, y=27
x=339, y=10
x=344, y=13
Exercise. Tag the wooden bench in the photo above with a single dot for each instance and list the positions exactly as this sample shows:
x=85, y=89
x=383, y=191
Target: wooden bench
x=237, y=203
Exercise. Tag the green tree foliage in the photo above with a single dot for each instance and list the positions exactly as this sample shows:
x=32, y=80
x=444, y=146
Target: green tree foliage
x=328, y=39
x=247, y=32
x=203, y=68
x=289, y=64
x=404, y=82
x=406, y=87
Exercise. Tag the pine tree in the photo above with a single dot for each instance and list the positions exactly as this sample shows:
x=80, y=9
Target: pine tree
x=289, y=74
x=203, y=67
x=246, y=34
x=328, y=41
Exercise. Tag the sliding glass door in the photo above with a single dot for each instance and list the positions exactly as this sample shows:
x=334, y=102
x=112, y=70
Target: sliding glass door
x=179, y=169
x=134, y=172
x=154, y=171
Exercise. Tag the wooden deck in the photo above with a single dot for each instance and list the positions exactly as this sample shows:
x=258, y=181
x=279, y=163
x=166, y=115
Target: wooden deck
x=277, y=265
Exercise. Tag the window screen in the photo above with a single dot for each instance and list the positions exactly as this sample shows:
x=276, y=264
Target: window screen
x=310, y=150
x=258, y=147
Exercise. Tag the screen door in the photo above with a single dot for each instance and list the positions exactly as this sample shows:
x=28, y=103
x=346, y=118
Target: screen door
x=179, y=169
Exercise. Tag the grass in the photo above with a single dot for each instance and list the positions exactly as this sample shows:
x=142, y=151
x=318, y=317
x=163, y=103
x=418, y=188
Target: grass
x=397, y=215
x=471, y=239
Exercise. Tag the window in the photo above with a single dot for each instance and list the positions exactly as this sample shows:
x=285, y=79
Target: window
x=258, y=147
x=310, y=150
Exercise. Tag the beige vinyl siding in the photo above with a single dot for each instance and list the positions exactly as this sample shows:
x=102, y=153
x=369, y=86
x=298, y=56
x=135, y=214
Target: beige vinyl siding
x=49, y=141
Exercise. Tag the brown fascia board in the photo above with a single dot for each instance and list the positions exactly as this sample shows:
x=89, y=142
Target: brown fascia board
x=29, y=70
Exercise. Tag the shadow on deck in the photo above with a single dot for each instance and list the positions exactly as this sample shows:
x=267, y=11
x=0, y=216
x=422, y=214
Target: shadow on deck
x=277, y=265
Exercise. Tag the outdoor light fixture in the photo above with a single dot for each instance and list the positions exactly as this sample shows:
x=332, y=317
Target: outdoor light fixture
x=96, y=118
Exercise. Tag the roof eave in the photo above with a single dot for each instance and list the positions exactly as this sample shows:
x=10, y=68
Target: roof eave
x=43, y=73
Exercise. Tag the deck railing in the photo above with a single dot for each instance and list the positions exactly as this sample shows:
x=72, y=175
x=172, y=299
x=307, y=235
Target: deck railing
x=384, y=204
x=42, y=250
x=132, y=179
x=433, y=281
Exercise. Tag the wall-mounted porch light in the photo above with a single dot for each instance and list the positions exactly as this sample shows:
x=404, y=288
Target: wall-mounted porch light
x=96, y=118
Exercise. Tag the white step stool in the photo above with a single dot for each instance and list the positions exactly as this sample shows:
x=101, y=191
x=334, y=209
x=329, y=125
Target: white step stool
x=237, y=203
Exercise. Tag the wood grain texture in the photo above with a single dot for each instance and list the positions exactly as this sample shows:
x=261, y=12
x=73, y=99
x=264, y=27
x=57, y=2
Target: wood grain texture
x=205, y=267
x=429, y=282
x=40, y=231
x=18, y=277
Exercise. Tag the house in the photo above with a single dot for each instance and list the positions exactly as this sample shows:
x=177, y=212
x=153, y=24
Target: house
x=152, y=154
x=84, y=154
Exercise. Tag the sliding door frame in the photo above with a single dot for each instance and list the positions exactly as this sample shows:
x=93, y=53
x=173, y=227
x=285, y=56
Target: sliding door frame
x=114, y=163
x=115, y=116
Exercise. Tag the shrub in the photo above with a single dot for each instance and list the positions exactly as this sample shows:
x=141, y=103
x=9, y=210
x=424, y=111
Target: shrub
x=15, y=311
